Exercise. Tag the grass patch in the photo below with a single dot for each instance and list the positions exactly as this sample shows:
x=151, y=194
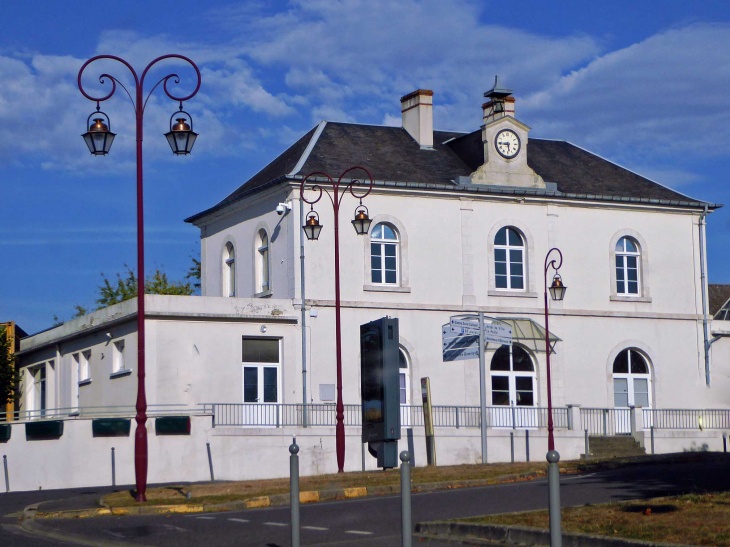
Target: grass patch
x=696, y=519
x=240, y=490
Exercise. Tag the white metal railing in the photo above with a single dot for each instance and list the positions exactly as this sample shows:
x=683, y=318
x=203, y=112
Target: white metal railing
x=686, y=418
x=279, y=415
x=617, y=421
x=122, y=411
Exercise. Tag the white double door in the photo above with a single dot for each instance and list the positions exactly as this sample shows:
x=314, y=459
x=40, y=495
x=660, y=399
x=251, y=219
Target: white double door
x=261, y=394
x=629, y=390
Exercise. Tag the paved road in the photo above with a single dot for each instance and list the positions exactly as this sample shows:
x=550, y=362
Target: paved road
x=375, y=521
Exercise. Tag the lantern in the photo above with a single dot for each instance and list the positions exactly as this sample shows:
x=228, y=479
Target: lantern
x=99, y=137
x=312, y=227
x=181, y=136
x=557, y=289
x=362, y=220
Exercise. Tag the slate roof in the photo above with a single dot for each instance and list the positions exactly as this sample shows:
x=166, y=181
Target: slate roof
x=718, y=295
x=391, y=154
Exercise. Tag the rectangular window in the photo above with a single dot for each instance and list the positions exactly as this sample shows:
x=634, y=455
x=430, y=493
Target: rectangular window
x=84, y=369
x=118, y=358
x=260, y=350
x=384, y=263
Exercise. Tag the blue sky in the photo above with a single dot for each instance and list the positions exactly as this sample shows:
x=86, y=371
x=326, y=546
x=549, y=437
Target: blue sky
x=647, y=86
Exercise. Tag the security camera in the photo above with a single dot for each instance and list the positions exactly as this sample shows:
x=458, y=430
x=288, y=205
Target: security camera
x=282, y=208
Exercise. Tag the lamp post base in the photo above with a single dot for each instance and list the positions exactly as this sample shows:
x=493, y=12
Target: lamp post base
x=556, y=532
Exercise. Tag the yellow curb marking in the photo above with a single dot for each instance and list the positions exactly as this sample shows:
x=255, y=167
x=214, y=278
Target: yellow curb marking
x=356, y=492
x=254, y=503
x=308, y=496
x=178, y=508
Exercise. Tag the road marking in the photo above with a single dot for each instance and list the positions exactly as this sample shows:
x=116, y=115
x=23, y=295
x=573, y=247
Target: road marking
x=207, y=518
x=239, y=520
x=358, y=532
x=318, y=528
x=275, y=524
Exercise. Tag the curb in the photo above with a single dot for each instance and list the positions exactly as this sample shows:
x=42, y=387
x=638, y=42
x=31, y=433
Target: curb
x=522, y=535
x=313, y=496
x=308, y=496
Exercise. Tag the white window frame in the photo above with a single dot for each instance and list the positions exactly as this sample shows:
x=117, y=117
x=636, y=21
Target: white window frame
x=624, y=267
x=507, y=249
x=85, y=367
x=229, y=270
x=118, y=362
x=382, y=243
x=402, y=275
x=644, y=294
x=262, y=260
x=38, y=396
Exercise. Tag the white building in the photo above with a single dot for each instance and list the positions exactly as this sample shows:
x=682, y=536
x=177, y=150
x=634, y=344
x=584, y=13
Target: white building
x=461, y=223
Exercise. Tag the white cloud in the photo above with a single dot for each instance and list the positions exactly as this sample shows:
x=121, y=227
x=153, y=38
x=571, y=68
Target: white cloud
x=666, y=95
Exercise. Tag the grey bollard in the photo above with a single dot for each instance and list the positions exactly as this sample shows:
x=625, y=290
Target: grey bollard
x=411, y=449
x=7, y=480
x=362, y=449
x=556, y=533
x=294, y=491
x=587, y=446
x=527, y=445
x=652, y=440
x=405, y=494
x=210, y=462
x=512, y=446
x=114, y=469
x=724, y=448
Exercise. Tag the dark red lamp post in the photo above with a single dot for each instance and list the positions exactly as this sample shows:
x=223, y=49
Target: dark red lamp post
x=99, y=139
x=557, y=292
x=312, y=228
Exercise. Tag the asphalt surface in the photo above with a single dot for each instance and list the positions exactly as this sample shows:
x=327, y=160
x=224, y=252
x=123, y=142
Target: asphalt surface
x=371, y=521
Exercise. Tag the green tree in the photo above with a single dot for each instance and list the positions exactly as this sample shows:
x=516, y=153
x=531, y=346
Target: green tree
x=124, y=287
x=8, y=375
x=194, y=272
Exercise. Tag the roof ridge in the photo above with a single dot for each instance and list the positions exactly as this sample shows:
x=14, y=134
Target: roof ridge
x=308, y=150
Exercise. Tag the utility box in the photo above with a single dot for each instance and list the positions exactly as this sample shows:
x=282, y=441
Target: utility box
x=380, y=389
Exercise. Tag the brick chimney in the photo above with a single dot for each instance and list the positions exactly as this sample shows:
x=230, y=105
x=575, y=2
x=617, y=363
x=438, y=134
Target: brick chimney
x=500, y=103
x=417, y=111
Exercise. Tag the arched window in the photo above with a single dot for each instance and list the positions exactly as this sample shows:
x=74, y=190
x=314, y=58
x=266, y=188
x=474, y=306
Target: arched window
x=384, y=254
x=229, y=270
x=262, y=262
x=513, y=377
x=631, y=380
x=628, y=257
x=404, y=377
x=509, y=260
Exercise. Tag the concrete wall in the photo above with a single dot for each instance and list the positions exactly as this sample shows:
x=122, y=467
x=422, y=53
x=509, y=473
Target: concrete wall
x=78, y=459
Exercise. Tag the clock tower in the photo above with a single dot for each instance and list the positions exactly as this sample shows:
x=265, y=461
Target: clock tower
x=505, y=144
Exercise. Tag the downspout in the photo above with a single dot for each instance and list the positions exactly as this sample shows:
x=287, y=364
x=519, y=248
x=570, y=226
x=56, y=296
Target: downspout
x=304, y=314
x=703, y=288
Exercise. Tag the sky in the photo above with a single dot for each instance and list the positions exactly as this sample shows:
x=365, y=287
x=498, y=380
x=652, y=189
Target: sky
x=645, y=84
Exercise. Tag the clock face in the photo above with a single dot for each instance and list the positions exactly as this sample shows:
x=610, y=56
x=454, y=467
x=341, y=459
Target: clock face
x=507, y=143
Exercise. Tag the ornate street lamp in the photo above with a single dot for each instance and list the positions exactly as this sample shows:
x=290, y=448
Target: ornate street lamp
x=312, y=227
x=99, y=137
x=557, y=292
x=181, y=136
x=99, y=140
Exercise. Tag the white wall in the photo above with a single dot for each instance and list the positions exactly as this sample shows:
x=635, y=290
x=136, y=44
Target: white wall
x=65, y=462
